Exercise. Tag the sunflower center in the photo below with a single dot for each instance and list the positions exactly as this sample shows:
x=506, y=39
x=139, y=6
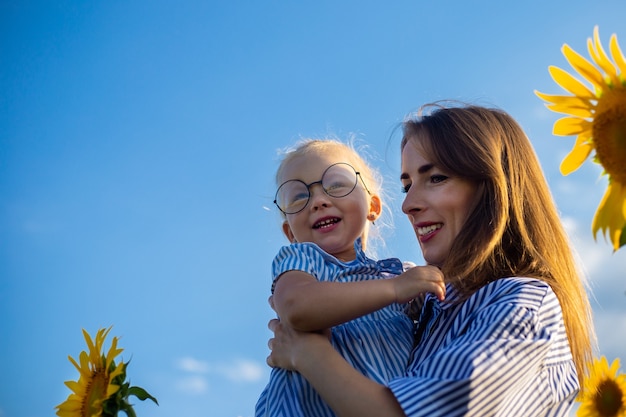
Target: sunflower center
x=609, y=398
x=609, y=132
x=95, y=393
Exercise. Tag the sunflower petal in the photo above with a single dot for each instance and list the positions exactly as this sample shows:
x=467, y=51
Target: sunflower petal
x=550, y=98
x=574, y=105
x=573, y=101
x=574, y=108
x=596, y=51
x=570, y=83
x=90, y=345
x=568, y=126
x=582, y=66
x=70, y=405
x=84, y=362
x=617, y=55
x=74, y=363
x=614, y=367
x=620, y=243
x=576, y=157
x=113, y=352
x=112, y=389
x=105, y=333
x=76, y=387
x=609, y=217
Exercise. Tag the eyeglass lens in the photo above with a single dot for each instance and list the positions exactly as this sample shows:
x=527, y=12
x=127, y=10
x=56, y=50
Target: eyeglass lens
x=337, y=181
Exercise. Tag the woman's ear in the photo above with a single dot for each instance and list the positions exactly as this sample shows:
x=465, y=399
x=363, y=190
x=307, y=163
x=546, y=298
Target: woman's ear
x=288, y=233
x=376, y=208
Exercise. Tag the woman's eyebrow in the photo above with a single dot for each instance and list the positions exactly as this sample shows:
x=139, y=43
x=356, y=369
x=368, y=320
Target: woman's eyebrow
x=421, y=170
x=425, y=168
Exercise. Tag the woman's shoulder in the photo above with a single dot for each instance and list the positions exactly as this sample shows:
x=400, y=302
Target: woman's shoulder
x=517, y=285
x=513, y=305
x=526, y=292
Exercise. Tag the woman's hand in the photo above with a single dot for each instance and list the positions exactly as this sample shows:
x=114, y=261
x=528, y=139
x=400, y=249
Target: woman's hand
x=289, y=344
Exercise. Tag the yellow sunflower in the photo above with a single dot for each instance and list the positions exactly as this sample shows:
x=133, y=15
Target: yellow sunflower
x=95, y=383
x=604, y=393
x=597, y=116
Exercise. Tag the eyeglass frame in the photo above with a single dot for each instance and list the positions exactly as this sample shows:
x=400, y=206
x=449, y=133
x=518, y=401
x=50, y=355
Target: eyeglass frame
x=308, y=187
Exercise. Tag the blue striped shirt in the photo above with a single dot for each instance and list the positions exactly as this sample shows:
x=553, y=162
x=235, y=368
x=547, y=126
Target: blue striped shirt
x=502, y=352
x=377, y=344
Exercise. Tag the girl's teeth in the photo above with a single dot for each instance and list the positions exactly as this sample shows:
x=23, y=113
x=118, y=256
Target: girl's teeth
x=326, y=223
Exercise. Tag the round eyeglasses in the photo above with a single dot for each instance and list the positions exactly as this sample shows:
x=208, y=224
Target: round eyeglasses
x=337, y=181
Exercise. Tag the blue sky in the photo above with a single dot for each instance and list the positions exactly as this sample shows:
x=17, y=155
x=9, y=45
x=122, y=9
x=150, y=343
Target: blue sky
x=138, y=144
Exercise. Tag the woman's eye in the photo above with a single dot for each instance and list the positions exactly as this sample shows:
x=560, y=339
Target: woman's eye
x=405, y=188
x=438, y=178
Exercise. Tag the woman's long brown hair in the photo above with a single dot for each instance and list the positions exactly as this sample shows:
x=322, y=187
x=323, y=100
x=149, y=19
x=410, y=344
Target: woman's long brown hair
x=514, y=230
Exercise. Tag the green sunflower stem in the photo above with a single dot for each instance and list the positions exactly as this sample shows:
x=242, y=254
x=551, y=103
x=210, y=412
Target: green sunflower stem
x=128, y=409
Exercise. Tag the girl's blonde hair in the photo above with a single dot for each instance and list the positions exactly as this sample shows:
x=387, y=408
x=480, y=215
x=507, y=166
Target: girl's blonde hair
x=514, y=230
x=330, y=146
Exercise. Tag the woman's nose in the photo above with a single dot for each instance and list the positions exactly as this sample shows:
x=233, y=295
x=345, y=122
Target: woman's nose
x=411, y=202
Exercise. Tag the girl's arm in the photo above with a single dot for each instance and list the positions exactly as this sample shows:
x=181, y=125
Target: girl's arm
x=307, y=304
x=347, y=391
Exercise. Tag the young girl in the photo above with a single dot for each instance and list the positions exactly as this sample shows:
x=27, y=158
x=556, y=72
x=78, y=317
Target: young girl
x=323, y=279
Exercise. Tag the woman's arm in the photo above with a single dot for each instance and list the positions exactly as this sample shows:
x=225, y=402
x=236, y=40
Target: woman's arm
x=347, y=391
x=307, y=304
x=504, y=351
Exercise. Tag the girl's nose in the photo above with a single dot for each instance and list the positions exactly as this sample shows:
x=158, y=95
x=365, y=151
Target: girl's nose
x=319, y=198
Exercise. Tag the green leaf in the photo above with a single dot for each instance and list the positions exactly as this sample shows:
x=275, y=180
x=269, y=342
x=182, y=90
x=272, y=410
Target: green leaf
x=142, y=394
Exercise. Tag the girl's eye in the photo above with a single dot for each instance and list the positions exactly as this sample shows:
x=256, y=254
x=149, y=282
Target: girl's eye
x=336, y=188
x=299, y=197
x=405, y=188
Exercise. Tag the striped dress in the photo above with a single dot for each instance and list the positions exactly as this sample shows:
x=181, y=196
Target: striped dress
x=501, y=352
x=377, y=344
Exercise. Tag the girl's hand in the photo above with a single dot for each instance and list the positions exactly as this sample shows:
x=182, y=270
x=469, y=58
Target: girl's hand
x=419, y=280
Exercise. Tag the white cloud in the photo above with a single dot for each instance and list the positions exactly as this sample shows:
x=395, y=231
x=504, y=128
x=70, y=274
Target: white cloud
x=236, y=370
x=189, y=364
x=193, y=384
x=241, y=370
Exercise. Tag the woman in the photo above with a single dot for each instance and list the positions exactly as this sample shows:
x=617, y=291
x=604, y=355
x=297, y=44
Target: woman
x=514, y=334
